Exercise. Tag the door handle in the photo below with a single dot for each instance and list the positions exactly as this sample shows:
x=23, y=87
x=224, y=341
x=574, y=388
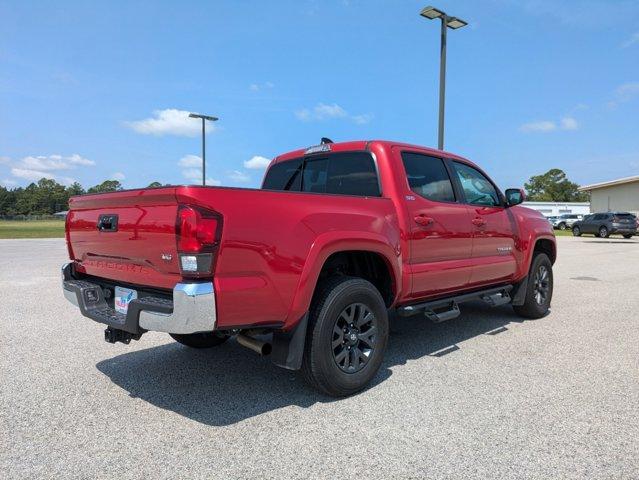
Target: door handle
x=423, y=220
x=479, y=222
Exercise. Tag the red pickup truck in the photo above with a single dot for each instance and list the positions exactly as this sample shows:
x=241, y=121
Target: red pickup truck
x=307, y=268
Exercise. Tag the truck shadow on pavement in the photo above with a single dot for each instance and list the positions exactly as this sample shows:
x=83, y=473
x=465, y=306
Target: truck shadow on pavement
x=227, y=384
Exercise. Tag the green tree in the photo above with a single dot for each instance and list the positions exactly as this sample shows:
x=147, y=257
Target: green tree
x=154, y=185
x=75, y=189
x=553, y=186
x=106, y=186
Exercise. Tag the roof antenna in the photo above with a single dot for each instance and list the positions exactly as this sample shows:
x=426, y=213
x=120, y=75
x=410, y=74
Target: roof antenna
x=325, y=141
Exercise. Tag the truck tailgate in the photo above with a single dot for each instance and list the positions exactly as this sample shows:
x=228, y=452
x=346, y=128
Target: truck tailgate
x=135, y=242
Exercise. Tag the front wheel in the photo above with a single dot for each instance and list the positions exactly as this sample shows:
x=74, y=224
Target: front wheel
x=200, y=340
x=576, y=231
x=346, y=337
x=538, y=290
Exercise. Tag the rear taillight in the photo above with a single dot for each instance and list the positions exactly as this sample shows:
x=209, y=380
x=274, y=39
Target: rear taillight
x=67, y=234
x=198, y=233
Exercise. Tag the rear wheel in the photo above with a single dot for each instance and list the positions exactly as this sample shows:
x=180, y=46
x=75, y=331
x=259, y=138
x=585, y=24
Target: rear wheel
x=346, y=337
x=562, y=226
x=576, y=231
x=200, y=340
x=603, y=232
x=628, y=235
x=539, y=288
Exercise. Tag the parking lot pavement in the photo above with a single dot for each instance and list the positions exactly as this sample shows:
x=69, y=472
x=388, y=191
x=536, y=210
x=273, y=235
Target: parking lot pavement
x=484, y=396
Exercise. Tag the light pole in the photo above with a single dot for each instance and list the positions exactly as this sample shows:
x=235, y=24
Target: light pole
x=432, y=13
x=204, y=119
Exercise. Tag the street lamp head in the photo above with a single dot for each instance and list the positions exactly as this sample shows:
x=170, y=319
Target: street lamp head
x=203, y=117
x=431, y=13
x=455, y=23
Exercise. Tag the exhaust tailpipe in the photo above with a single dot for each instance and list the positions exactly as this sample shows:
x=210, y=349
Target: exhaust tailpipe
x=262, y=348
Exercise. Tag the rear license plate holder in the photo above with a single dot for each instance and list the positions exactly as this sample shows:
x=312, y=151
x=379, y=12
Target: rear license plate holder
x=123, y=297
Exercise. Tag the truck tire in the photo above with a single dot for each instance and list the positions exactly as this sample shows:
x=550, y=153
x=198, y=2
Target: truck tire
x=603, y=232
x=346, y=337
x=538, y=290
x=200, y=340
x=576, y=231
x=629, y=235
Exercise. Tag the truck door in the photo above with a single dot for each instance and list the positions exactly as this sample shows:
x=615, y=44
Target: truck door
x=494, y=227
x=439, y=227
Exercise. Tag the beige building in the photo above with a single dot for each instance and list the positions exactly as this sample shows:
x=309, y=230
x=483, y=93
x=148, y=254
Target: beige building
x=615, y=196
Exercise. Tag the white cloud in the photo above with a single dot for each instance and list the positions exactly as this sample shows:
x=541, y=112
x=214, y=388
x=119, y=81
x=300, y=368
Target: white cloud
x=54, y=162
x=362, y=119
x=33, y=168
x=190, y=161
x=257, y=162
x=192, y=170
x=323, y=111
x=35, y=175
x=8, y=183
x=569, y=123
x=5, y=160
x=256, y=87
x=634, y=38
x=170, y=122
x=624, y=93
x=542, y=126
x=118, y=176
x=238, y=176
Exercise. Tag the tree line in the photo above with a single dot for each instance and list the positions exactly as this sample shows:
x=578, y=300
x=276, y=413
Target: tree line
x=46, y=196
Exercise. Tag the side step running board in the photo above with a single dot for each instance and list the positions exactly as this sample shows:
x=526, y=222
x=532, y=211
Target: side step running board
x=448, y=308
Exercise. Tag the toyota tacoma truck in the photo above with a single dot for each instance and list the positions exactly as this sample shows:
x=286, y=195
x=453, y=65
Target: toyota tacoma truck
x=308, y=268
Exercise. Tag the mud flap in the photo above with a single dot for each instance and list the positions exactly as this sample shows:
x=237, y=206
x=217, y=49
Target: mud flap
x=519, y=292
x=288, y=347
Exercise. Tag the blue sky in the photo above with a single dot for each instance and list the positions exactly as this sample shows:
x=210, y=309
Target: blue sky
x=90, y=90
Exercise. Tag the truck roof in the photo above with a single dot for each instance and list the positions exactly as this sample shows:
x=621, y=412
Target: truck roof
x=364, y=145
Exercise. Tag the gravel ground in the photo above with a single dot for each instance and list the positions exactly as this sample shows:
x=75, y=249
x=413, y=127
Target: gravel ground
x=483, y=396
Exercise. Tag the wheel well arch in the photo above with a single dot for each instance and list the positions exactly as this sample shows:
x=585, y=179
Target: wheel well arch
x=543, y=245
x=371, y=266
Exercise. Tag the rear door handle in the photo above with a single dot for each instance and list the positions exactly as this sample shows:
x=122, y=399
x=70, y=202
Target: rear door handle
x=423, y=220
x=479, y=222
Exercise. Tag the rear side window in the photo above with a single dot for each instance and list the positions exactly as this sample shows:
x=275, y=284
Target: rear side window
x=348, y=173
x=428, y=177
x=284, y=176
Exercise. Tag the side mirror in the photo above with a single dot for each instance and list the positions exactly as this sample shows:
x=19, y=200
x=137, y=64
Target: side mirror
x=515, y=196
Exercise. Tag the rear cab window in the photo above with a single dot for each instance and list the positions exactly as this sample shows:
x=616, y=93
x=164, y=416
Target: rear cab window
x=341, y=173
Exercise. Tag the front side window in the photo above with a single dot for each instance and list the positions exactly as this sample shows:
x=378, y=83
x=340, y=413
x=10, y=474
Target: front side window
x=343, y=173
x=428, y=177
x=477, y=188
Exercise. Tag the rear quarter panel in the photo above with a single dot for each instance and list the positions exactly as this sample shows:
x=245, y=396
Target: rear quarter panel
x=274, y=244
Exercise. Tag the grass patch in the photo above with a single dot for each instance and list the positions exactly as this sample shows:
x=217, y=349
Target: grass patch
x=32, y=229
x=563, y=233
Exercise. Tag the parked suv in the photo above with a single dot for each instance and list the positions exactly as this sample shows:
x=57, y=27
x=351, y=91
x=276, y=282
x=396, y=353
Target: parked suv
x=567, y=220
x=605, y=224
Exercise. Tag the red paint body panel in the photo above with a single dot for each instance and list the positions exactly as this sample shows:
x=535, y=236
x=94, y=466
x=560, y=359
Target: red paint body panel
x=273, y=244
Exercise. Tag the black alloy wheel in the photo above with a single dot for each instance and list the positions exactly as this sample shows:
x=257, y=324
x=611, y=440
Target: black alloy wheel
x=354, y=337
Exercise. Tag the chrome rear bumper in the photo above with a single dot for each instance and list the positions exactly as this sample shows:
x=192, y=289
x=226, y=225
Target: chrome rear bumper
x=191, y=310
